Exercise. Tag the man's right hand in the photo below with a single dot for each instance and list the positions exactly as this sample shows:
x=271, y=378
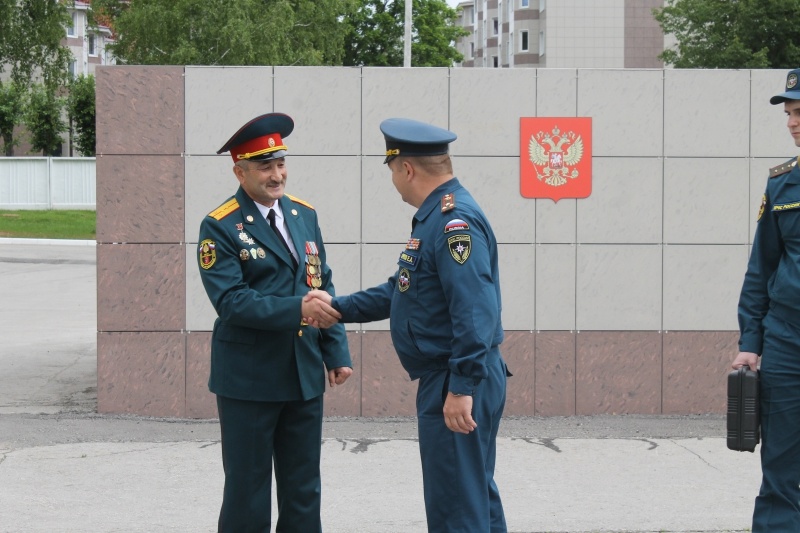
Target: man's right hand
x=318, y=312
x=745, y=359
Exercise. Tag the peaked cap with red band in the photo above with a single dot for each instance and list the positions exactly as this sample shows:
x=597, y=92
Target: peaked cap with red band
x=261, y=139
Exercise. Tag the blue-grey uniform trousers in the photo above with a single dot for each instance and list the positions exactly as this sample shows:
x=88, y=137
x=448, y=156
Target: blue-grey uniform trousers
x=458, y=470
x=777, y=508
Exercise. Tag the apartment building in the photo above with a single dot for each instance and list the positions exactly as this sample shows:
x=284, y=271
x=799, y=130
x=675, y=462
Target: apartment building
x=88, y=45
x=560, y=33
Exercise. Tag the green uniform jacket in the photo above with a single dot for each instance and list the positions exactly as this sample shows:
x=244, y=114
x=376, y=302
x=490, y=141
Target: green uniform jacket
x=260, y=349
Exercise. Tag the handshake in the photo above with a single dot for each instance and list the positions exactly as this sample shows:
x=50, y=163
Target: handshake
x=317, y=311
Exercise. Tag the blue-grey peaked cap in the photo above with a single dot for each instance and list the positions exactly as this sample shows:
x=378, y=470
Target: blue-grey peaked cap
x=792, y=88
x=407, y=137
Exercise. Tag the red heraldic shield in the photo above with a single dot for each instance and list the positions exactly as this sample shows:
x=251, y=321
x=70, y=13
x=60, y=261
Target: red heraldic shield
x=555, y=157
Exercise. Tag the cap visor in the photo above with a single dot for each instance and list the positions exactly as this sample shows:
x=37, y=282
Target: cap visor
x=784, y=97
x=271, y=155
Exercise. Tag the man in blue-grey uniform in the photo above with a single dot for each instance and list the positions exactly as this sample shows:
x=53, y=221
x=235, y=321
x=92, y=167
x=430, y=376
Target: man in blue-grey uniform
x=769, y=322
x=444, y=307
x=259, y=254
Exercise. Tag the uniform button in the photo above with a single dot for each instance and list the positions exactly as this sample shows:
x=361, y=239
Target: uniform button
x=300, y=333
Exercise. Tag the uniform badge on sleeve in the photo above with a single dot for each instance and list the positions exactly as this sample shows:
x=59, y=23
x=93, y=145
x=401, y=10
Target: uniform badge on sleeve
x=460, y=246
x=763, y=205
x=208, y=254
x=456, y=225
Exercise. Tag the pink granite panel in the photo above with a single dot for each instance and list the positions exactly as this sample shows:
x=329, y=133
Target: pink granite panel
x=345, y=400
x=141, y=373
x=618, y=372
x=386, y=387
x=696, y=366
x=200, y=403
x=140, y=199
x=555, y=373
x=517, y=350
x=140, y=110
x=141, y=287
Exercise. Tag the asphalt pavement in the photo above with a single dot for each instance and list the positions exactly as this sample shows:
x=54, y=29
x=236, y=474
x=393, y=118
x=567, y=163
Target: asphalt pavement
x=65, y=468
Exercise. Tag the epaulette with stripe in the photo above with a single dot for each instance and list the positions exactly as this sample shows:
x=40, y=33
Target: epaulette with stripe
x=783, y=168
x=299, y=201
x=225, y=209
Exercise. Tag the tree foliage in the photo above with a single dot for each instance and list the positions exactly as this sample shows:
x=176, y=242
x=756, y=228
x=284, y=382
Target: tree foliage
x=376, y=30
x=732, y=33
x=81, y=107
x=31, y=32
x=43, y=119
x=12, y=105
x=225, y=32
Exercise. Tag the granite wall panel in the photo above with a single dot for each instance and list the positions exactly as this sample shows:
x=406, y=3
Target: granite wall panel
x=200, y=402
x=386, y=389
x=140, y=110
x=141, y=373
x=141, y=287
x=140, y=199
x=618, y=372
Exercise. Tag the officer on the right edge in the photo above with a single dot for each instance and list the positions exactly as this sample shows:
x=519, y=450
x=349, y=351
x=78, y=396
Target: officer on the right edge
x=769, y=324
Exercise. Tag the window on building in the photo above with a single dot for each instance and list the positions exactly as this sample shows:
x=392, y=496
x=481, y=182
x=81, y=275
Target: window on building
x=90, y=42
x=495, y=62
x=523, y=40
x=72, y=26
x=73, y=69
x=496, y=28
x=524, y=3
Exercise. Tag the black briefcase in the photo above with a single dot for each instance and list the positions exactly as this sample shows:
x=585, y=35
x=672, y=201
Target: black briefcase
x=743, y=410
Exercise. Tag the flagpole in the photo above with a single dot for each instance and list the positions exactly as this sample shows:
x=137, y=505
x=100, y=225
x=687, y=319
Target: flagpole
x=407, y=38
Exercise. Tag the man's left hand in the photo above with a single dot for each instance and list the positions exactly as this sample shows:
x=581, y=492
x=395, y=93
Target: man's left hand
x=337, y=376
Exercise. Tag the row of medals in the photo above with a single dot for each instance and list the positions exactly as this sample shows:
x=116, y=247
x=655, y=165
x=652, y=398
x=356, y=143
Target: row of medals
x=313, y=271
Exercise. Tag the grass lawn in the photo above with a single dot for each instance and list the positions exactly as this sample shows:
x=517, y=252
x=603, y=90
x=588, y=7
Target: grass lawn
x=55, y=224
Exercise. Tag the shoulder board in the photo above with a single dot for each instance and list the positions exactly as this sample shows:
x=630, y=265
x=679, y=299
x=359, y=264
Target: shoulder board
x=299, y=201
x=225, y=209
x=783, y=168
x=448, y=202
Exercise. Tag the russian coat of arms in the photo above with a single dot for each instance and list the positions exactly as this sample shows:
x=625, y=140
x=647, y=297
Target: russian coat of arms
x=555, y=157
x=555, y=154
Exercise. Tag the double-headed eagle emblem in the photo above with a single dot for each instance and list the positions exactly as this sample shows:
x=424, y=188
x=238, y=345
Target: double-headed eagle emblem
x=554, y=160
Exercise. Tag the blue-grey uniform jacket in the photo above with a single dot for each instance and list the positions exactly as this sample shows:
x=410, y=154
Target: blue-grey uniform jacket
x=444, y=298
x=772, y=281
x=261, y=350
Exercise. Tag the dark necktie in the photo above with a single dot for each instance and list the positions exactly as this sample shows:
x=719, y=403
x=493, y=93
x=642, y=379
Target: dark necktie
x=271, y=218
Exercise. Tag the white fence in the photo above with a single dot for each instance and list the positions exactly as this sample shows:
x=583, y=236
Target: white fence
x=47, y=183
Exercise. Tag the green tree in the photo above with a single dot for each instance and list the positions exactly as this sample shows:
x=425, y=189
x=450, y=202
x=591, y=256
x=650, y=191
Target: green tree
x=731, y=33
x=31, y=32
x=376, y=30
x=43, y=119
x=12, y=105
x=81, y=107
x=225, y=32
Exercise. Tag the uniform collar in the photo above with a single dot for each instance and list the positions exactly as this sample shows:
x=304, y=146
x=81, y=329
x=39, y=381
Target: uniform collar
x=434, y=198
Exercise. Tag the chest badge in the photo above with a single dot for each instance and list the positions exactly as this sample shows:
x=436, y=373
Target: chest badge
x=403, y=280
x=460, y=247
